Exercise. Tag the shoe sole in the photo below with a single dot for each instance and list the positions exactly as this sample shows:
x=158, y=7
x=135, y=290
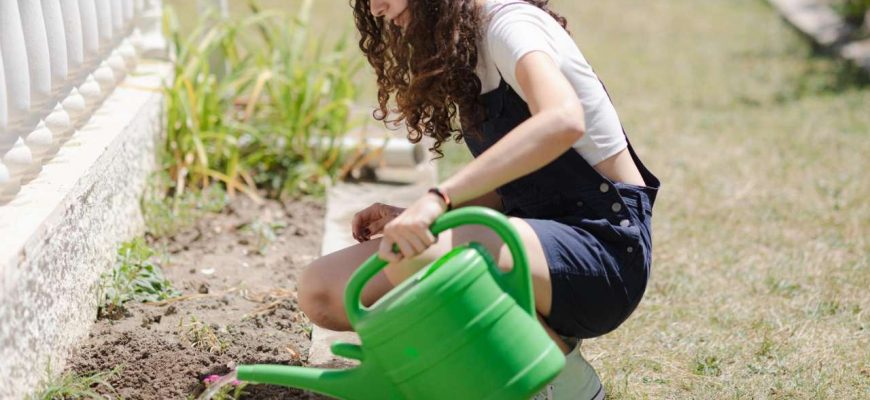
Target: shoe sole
x=599, y=395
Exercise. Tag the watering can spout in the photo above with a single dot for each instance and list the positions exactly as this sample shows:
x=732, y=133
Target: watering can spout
x=362, y=382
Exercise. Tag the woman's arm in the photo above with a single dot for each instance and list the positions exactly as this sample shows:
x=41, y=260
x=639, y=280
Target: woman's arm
x=557, y=122
x=489, y=199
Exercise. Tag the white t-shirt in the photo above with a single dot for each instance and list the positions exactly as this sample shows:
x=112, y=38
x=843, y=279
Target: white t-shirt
x=513, y=29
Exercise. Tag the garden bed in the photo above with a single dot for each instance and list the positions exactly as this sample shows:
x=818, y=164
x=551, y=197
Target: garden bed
x=236, y=272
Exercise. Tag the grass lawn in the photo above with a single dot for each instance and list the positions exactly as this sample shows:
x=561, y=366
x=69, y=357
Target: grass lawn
x=760, y=278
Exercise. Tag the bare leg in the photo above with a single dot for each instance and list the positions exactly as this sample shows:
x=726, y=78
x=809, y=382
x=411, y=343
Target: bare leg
x=321, y=285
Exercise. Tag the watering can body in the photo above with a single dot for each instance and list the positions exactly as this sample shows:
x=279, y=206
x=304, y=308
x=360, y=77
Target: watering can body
x=459, y=328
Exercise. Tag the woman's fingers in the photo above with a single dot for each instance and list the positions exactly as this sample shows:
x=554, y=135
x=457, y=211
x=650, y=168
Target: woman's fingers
x=385, y=251
x=405, y=246
x=357, y=225
x=362, y=219
x=375, y=227
x=415, y=242
x=411, y=239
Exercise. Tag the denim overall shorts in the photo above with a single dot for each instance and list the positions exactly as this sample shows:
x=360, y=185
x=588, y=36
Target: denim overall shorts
x=595, y=233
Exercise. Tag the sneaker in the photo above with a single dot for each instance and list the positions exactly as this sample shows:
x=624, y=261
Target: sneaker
x=577, y=381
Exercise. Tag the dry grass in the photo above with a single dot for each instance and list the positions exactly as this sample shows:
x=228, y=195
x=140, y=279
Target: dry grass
x=760, y=279
x=201, y=335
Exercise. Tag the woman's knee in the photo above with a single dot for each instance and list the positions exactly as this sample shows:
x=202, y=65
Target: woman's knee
x=315, y=294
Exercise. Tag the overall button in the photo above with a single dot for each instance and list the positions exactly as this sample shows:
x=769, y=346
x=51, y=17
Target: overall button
x=625, y=223
x=629, y=249
x=580, y=203
x=616, y=207
x=604, y=187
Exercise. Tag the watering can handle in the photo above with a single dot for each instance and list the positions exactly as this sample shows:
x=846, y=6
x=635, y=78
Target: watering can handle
x=517, y=280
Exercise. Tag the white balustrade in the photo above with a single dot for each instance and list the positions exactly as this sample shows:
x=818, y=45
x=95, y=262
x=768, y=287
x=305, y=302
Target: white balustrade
x=117, y=19
x=58, y=121
x=18, y=159
x=73, y=102
x=41, y=140
x=90, y=36
x=59, y=59
x=127, y=50
x=8, y=184
x=104, y=25
x=128, y=9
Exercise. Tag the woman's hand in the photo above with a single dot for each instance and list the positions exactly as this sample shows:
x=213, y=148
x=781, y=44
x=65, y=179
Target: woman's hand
x=410, y=230
x=371, y=220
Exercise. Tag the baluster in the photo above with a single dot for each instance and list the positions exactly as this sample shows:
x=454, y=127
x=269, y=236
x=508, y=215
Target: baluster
x=8, y=184
x=104, y=25
x=105, y=74
x=18, y=158
x=117, y=7
x=90, y=90
x=75, y=51
x=36, y=43
x=115, y=60
x=127, y=49
x=128, y=7
x=74, y=104
x=58, y=121
x=136, y=38
x=90, y=36
x=40, y=140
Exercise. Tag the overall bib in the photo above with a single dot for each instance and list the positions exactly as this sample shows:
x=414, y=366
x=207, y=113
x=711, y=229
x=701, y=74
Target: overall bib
x=595, y=233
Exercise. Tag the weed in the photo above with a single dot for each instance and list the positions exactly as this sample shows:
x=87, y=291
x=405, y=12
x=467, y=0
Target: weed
x=264, y=233
x=201, y=336
x=231, y=392
x=133, y=277
x=767, y=348
x=71, y=385
x=826, y=308
x=707, y=366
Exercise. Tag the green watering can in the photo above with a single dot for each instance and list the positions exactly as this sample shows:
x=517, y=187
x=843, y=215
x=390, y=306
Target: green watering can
x=458, y=329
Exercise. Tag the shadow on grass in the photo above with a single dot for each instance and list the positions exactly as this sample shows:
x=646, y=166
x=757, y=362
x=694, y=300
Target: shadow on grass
x=822, y=75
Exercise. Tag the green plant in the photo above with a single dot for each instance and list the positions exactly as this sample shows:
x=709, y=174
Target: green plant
x=134, y=277
x=269, y=116
x=264, y=233
x=168, y=209
x=855, y=11
x=707, y=366
x=231, y=392
x=71, y=385
x=201, y=336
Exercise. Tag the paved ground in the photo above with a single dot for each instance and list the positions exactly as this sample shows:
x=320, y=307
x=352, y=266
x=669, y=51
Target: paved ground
x=343, y=200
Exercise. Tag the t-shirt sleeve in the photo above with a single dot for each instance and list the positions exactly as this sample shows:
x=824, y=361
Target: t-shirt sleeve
x=517, y=30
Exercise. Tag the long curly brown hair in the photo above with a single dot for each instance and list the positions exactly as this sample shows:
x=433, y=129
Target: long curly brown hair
x=429, y=66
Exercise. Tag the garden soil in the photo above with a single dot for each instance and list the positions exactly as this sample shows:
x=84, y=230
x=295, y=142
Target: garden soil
x=238, y=305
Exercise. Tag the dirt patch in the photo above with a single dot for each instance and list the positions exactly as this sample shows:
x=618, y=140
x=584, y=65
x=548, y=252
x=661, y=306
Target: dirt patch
x=237, y=272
